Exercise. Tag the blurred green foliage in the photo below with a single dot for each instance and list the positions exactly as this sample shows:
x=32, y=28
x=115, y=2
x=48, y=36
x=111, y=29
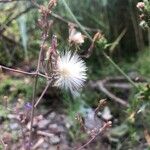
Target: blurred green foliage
x=14, y=89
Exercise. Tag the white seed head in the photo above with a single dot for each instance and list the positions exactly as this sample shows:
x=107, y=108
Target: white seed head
x=71, y=72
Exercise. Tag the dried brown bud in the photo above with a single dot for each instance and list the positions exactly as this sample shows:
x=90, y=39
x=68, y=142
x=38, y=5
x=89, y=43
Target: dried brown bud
x=43, y=10
x=97, y=36
x=102, y=102
x=52, y=3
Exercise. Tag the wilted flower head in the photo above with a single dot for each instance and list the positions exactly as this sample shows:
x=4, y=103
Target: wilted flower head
x=140, y=5
x=75, y=36
x=71, y=72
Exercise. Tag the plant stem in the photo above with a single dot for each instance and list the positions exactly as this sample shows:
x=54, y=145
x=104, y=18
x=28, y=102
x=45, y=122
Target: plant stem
x=44, y=91
x=106, y=56
x=74, y=18
x=32, y=111
x=120, y=70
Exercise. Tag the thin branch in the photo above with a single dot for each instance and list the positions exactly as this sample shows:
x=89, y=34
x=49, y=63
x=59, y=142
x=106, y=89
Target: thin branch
x=44, y=91
x=44, y=133
x=26, y=73
x=34, y=89
x=100, y=85
x=112, y=96
x=105, y=126
x=18, y=71
x=120, y=70
x=75, y=24
x=44, y=38
x=32, y=111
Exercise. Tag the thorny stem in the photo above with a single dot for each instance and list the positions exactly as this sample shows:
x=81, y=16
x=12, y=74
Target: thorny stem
x=105, y=55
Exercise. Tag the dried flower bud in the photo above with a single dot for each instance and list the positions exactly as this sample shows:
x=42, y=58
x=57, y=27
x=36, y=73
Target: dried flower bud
x=52, y=4
x=140, y=5
x=43, y=10
x=75, y=37
x=97, y=36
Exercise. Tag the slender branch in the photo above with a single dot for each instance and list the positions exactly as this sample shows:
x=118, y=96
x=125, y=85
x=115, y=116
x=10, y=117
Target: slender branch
x=18, y=71
x=76, y=25
x=44, y=133
x=112, y=96
x=34, y=91
x=26, y=73
x=100, y=85
x=44, y=91
x=32, y=111
x=120, y=70
x=44, y=38
x=106, y=125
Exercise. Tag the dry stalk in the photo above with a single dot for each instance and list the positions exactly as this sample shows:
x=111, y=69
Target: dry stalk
x=101, y=130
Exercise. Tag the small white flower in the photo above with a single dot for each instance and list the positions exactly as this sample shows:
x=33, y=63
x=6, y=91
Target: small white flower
x=71, y=72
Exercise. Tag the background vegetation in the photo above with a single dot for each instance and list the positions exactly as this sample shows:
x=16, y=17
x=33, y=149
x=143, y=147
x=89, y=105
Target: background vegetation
x=124, y=38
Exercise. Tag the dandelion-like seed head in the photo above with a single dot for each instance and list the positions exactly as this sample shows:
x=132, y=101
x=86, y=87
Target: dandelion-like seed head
x=71, y=72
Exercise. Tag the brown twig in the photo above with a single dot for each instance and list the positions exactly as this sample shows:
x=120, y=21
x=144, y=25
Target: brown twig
x=34, y=90
x=44, y=91
x=75, y=25
x=105, y=126
x=32, y=111
x=45, y=26
x=44, y=133
x=24, y=72
x=100, y=85
x=17, y=71
x=112, y=96
x=38, y=143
